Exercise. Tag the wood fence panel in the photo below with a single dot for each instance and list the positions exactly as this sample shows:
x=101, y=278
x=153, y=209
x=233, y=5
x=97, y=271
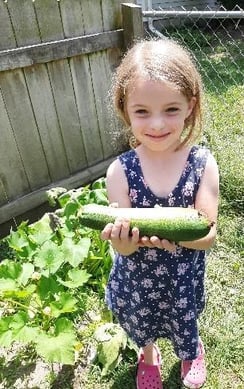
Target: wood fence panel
x=18, y=105
x=10, y=161
x=114, y=55
x=63, y=92
x=23, y=19
x=63, y=86
x=111, y=11
x=40, y=89
x=19, y=108
x=12, y=170
x=83, y=85
x=100, y=75
x=54, y=103
x=7, y=40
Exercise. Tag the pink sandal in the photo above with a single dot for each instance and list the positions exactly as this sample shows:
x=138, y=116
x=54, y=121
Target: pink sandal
x=193, y=373
x=148, y=376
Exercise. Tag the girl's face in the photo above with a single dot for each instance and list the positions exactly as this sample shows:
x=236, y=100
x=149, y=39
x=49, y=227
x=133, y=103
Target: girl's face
x=157, y=113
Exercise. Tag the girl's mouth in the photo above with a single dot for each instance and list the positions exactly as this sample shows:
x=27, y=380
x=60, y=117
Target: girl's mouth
x=157, y=137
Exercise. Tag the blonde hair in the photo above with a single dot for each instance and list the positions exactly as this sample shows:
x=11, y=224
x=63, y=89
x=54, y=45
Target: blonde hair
x=160, y=60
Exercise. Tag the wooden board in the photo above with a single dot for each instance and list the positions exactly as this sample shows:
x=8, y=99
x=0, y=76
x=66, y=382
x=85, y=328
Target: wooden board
x=40, y=89
x=82, y=83
x=12, y=171
x=60, y=49
x=101, y=77
x=7, y=40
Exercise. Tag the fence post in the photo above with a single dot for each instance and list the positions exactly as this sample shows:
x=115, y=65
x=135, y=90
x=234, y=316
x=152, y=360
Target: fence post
x=132, y=21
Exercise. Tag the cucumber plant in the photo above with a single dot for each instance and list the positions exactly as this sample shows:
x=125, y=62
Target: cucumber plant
x=45, y=283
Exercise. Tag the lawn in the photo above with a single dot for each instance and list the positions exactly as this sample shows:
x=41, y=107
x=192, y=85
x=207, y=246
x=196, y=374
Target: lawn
x=222, y=323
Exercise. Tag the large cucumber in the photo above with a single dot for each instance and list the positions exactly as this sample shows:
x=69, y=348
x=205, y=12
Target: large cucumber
x=172, y=223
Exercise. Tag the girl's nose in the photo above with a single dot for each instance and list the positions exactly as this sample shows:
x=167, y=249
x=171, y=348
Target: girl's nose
x=157, y=123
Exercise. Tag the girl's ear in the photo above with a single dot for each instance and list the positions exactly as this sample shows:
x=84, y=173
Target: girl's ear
x=191, y=105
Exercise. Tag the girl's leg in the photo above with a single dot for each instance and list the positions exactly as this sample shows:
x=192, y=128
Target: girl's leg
x=150, y=354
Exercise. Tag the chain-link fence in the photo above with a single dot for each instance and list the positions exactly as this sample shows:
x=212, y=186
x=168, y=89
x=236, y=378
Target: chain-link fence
x=215, y=37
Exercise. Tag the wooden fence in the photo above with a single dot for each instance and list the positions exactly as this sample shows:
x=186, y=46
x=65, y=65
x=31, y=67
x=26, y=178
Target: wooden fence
x=56, y=63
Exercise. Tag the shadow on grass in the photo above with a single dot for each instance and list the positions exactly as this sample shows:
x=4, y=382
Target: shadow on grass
x=173, y=380
x=125, y=378
x=64, y=378
x=15, y=370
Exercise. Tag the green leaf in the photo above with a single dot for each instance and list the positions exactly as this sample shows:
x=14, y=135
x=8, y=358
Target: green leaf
x=64, y=303
x=7, y=284
x=20, y=329
x=59, y=348
x=108, y=354
x=10, y=269
x=47, y=287
x=40, y=231
x=20, y=293
x=99, y=196
x=63, y=325
x=49, y=257
x=100, y=183
x=6, y=337
x=26, y=334
x=18, y=240
x=64, y=199
x=18, y=320
x=75, y=253
x=71, y=208
x=76, y=278
x=112, y=339
x=26, y=273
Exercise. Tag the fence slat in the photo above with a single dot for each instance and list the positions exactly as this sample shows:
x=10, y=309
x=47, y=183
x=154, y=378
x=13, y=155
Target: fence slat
x=82, y=84
x=23, y=123
x=43, y=104
x=101, y=77
x=7, y=40
x=22, y=15
x=17, y=103
x=13, y=173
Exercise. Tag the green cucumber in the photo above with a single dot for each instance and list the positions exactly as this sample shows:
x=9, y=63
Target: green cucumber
x=172, y=223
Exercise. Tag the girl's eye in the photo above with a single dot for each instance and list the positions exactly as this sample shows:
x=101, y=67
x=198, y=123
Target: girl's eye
x=141, y=112
x=172, y=110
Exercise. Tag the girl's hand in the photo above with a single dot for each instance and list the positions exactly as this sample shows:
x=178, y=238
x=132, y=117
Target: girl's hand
x=119, y=235
x=154, y=241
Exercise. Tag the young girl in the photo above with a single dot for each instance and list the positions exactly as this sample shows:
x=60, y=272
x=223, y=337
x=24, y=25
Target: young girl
x=156, y=287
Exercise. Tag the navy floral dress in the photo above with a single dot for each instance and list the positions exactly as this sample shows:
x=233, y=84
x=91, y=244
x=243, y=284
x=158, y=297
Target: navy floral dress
x=152, y=292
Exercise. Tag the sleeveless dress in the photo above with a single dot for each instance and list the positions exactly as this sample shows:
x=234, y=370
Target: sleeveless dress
x=152, y=292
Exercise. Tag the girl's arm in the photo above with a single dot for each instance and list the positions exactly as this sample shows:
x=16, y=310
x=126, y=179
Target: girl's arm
x=207, y=202
x=118, y=232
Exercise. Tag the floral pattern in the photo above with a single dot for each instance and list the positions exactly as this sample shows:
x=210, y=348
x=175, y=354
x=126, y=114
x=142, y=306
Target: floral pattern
x=155, y=293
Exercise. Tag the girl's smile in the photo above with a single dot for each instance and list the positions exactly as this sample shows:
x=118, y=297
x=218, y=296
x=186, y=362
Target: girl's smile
x=157, y=113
